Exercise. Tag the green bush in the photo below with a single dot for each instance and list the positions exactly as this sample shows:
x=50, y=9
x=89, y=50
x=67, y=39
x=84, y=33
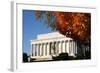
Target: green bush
x=25, y=57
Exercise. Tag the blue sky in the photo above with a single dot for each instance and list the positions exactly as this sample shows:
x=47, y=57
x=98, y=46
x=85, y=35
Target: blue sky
x=31, y=28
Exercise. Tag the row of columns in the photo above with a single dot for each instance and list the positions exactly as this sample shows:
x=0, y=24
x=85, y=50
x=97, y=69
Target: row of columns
x=54, y=48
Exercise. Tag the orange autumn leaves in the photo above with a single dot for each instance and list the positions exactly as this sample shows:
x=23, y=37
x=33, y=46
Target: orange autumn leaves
x=74, y=25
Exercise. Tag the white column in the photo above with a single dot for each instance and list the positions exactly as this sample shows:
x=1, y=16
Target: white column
x=71, y=45
x=40, y=49
x=57, y=48
x=71, y=48
x=52, y=51
x=74, y=47
x=60, y=47
x=48, y=48
x=37, y=49
x=44, y=49
x=66, y=46
x=64, y=49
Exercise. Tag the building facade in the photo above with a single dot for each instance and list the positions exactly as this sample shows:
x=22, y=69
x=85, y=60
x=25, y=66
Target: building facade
x=52, y=44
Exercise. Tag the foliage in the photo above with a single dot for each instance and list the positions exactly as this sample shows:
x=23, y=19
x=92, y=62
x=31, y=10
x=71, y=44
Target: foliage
x=25, y=57
x=63, y=56
x=49, y=18
x=76, y=25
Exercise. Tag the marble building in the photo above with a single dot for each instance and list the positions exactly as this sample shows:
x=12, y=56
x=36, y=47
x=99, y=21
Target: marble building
x=52, y=44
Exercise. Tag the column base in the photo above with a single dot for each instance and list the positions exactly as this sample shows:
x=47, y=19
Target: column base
x=72, y=55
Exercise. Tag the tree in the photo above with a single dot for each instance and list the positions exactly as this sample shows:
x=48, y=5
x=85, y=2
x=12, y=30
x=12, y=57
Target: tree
x=49, y=18
x=25, y=57
x=74, y=25
x=71, y=24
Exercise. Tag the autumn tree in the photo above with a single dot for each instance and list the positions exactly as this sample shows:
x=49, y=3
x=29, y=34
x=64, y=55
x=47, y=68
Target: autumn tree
x=74, y=25
x=71, y=24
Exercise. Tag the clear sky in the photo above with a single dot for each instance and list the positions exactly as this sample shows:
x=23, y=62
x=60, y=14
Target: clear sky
x=31, y=28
